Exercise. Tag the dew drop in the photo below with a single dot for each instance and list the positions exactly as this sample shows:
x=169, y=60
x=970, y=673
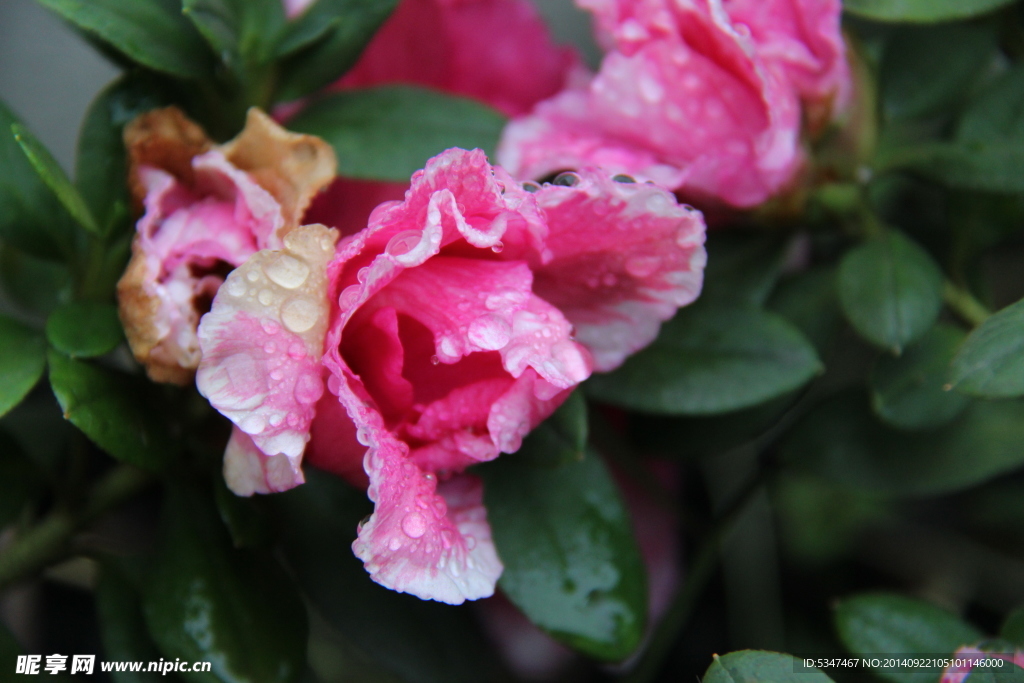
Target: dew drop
x=293, y=420
x=276, y=375
x=623, y=178
x=288, y=271
x=497, y=247
x=265, y=297
x=235, y=286
x=531, y=186
x=276, y=419
x=404, y=242
x=657, y=203
x=363, y=274
x=270, y=347
x=362, y=436
x=394, y=545
x=308, y=389
x=299, y=315
x=253, y=424
x=434, y=360
x=567, y=179
x=296, y=351
x=252, y=276
x=414, y=525
x=642, y=266
x=470, y=542
x=348, y=296
x=271, y=327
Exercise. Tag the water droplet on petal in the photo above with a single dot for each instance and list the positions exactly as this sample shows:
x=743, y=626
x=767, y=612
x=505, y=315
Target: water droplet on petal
x=270, y=347
x=362, y=436
x=567, y=179
x=404, y=242
x=253, y=424
x=434, y=360
x=235, y=286
x=308, y=389
x=414, y=525
x=394, y=545
x=276, y=375
x=297, y=351
x=299, y=315
x=531, y=186
x=266, y=297
x=623, y=178
x=497, y=247
x=470, y=542
x=642, y=266
x=288, y=271
x=252, y=276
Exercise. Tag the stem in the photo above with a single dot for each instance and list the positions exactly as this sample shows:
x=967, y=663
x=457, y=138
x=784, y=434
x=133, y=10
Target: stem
x=963, y=303
x=700, y=572
x=51, y=539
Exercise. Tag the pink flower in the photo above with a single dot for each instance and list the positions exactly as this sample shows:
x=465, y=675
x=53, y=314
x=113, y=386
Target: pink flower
x=207, y=209
x=702, y=96
x=495, y=51
x=446, y=334
x=966, y=657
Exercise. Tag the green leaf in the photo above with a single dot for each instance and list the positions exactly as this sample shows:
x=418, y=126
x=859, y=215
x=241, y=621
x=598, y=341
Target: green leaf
x=756, y=666
x=204, y=601
x=923, y=11
x=387, y=133
x=421, y=641
x=112, y=409
x=890, y=290
x=30, y=217
x=22, y=360
x=742, y=269
x=571, y=563
x=842, y=441
x=122, y=625
x=101, y=168
x=1013, y=628
x=710, y=360
x=151, y=32
x=563, y=436
x=885, y=623
x=326, y=41
x=32, y=283
x=83, y=329
x=243, y=32
x=19, y=480
x=810, y=302
x=55, y=178
x=910, y=392
x=926, y=69
x=243, y=517
x=987, y=151
x=991, y=361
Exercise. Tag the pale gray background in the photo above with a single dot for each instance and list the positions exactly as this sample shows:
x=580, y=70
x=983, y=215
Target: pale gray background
x=48, y=74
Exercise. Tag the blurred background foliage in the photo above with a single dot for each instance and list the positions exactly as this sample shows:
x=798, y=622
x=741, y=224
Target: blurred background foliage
x=840, y=411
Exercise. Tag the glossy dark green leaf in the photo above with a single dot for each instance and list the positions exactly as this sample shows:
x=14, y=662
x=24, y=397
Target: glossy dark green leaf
x=19, y=480
x=101, y=169
x=421, y=641
x=742, y=269
x=205, y=601
x=711, y=359
x=886, y=623
x=243, y=32
x=22, y=360
x=243, y=517
x=326, y=41
x=986, y=166
x=756, y=666
x=55, y=178
x=31, y=219
x=563, y=436
x=810, y=302
x=84, y=329
x=996, y=115
x=32, y=283
x=925, y=69
x=925, y=11
x=991, y=362
x=571, y=563
x=387, y=133
x=1013, y=627
x=113, y=409
x=123, y=627
x=151, y=32
x=842, y=441
x=890, y=290
x=911, y=391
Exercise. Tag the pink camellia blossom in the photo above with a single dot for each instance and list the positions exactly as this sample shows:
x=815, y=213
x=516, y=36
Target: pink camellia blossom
x=207, y=209
x=449, y=336
x=701, y=96
x=969, y=655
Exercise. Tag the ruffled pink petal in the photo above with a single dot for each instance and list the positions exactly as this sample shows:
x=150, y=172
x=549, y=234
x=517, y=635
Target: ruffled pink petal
x=428, y=540
x=187, y=237
x=496, y=51
x=625, y=257
x=803, y=39
x=263, y=340
x=683, y=100
x=248, y=470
